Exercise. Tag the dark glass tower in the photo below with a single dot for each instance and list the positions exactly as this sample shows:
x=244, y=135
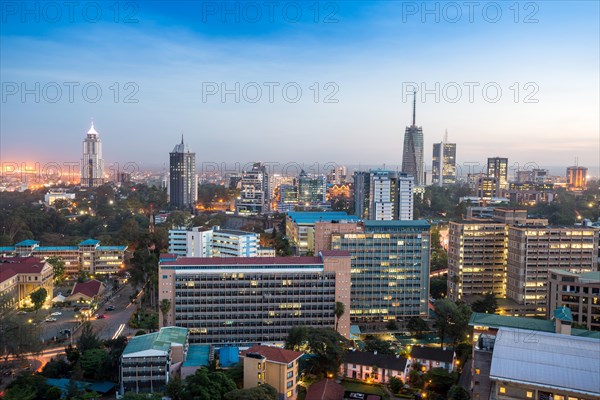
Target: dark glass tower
x=183, y=188
x=412, y=155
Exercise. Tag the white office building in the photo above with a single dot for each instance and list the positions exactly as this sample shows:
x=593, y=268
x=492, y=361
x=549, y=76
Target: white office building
x=215, y=242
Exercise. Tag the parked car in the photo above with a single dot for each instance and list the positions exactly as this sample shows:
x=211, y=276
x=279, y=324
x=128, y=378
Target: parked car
x=22, y=313
x=110, y=308
x=100, y=316
x=50, y=320
x=56, y=314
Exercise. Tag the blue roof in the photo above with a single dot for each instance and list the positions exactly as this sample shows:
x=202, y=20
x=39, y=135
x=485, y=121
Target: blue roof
x=355, y=332
x=563, y=314
x=63, y=384
x=121, y=248
x=89, y=242
x=28, y=243
x=229, y=356
x=419, y=223
x=198, y=355
x=7, y=248
x=57, y=248
x=310, y=217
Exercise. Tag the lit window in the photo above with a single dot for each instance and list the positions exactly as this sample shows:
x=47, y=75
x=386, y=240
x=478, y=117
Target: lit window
x=502, y=389
x=477, y=371
x=529, y=395
x=289, y=393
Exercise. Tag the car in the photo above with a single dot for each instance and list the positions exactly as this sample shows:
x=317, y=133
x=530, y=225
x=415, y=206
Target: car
x=50, y=319
x=110, y=308
x=56, y=313
x=100, y=316
x=22, y=313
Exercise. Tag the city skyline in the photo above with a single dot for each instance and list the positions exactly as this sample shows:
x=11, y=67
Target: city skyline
x=199, y=52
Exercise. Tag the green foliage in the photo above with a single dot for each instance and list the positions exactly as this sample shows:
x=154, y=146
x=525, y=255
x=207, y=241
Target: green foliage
x=205, y=385
x=391, y=325
x=396, y=384
x=452, y=320
x=165, y=307
x=439, y=380
x=142, y=396
x=417, y=326
x=262, y=392
x=31, y=387
x=457, y=392
x=17, y=336
x=373, y=343
x=88, y=340
x=236, y=373
x=58, y=268
x=489, y=304
x=438, y=287
x=175, y=389
x=56, y=368
x=38, y=298
x=338, y=310
x=91, y=362
x=325, y=344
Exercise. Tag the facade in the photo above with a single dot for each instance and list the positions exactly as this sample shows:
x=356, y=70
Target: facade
x=300, y=227
x=372, y=367
x=576, y=178
x=183, y=181
x=390, y=269
x=413, y=162
x=87, y=292
x=432, y=357
x=383, y=195
x=254, y=198
x=57, y=194
x=533, y=251
x=92, y=164
x=272, y=366
x=254, y=300
x=337, y=175
x=579, y=292
x=476, y=259
x=215, y=242
x=312, y=189
x=497, y=170
x=443, y=164
x=88, y=255
x=149, y=360
x=529, y=358
x=20, y=276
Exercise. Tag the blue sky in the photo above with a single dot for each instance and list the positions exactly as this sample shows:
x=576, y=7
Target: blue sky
x=362, y=54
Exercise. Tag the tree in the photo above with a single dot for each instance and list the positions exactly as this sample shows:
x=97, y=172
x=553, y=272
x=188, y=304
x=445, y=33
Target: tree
x=396, y=384
x=31, y=387
x=373, y=343
x=38, y=298
x=88, y=340
x=391, y=325
x=439, y=380
x=175, y=389
x=205, y=385
x=297, y=338
x=451, y=320
x=91, y=362
x=58, y=268
x=17, y=336
x=457, y=392
x=417, y=326
x=165, y=307
x=262, y=392
x=488, y=305
x=338, y=310
x=326, y=346
x=438, y=287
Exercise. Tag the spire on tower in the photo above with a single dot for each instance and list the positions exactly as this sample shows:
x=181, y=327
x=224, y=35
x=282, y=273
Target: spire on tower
x=446, y=136
x=92, y=131
x=414, y=108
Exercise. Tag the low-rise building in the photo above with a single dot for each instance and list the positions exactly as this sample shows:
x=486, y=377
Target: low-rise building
x=273, y=366
x=20, y=276
x=371, y=367
x=433, y=357
x=88, y=255
x=148, y=361
x=579, y=292
x=87, y=292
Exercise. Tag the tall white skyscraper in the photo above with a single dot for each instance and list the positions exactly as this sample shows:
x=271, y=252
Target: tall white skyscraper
x=92, y=164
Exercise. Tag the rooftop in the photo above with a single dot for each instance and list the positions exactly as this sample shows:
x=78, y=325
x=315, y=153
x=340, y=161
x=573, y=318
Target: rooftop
x=198, y=356
x=89, y=242
x=325, y=389
x=11, y=266
x=274, y=354
x=432, y=353
x=547, y=360
x=387, y=361
x=418, y=223
x=160, y=341
x=587, y=277
x=90, y=288
x=310, y=217
x=563, y=314
x=183, y=261
x=27, y=243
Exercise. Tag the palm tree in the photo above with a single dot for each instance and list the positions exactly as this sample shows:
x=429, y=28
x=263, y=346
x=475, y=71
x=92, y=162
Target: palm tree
x=338, y=311
x=165, y=307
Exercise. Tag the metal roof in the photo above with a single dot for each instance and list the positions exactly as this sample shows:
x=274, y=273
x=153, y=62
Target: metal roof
x=89, y=242
x=547, y=360
x=198, y=356
x=160, y=341
x=27, y=243
x=310, y=217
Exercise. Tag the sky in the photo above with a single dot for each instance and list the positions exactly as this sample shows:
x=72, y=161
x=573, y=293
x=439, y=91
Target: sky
x=300, y=81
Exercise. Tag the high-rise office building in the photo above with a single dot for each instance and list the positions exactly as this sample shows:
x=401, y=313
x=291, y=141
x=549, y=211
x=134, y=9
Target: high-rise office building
x=254, y=198
x=533, y=251
x=579, y=292
x=183, y=181
x=92, y=164
x=412, y=154
x=337, y=175
x=576, y=178
x=249, y=300
x=497, y=169
x=383, y=195
x=444, y=163
x=312, y=189
x=390, y=268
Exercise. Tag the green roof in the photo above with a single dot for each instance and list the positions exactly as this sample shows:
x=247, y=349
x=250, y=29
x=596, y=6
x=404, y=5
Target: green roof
x=311, y=217
x=532, y=324
x=161, y=340
x=563, y=313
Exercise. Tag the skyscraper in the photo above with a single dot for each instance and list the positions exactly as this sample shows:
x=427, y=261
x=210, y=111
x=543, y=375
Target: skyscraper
x=312, y=189
x=497, y=169
x=383, y=195
x=92, y=164
x=183, y=183
x=576, y=177
x=254, y=198
x=444, y=163
x=412, y=155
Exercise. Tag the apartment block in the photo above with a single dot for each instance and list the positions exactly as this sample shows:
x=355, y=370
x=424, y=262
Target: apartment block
x=533, y=251
x=300, y=227
x=215, y=242
x=578, y=292
x=249, y=300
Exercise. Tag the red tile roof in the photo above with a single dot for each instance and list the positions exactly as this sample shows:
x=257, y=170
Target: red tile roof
x=325, y=389
x=244, y=261
x=11, y=266
x=89, y=288
x=275, y=354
